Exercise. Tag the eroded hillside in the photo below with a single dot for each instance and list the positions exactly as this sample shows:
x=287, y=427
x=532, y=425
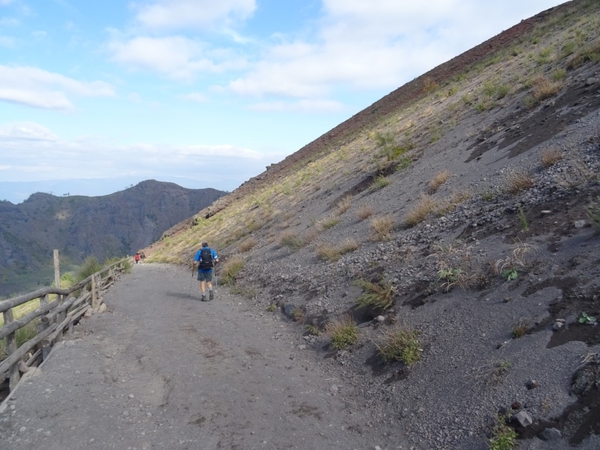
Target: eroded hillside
x=460, y=214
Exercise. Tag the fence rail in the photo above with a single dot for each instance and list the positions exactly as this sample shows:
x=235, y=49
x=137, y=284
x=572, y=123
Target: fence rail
x=56, y=316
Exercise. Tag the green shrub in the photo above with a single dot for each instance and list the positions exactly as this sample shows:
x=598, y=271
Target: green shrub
x=89, y=267
x=378, y=295
x=503, y=436
x=400, y=344
x=380, y=182
x=291, y=240
x=343, y=332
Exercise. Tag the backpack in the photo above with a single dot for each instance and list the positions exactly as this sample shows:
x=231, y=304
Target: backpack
x=206, y=259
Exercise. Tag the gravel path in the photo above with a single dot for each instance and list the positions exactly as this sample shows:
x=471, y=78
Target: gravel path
x=162, y=370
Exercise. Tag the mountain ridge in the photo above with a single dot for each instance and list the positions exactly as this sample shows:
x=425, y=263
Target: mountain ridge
x=78, y=226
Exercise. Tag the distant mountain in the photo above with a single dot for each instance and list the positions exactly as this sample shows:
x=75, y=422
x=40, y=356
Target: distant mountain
x=78, y=226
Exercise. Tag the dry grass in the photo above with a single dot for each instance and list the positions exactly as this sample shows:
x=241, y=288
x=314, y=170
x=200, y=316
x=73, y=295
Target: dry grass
x=364, y=212
x=450, y=203
x=231, y=268
x=516, y=260
x=439, y=179
x=247, y=245
x=518, y=181
x=549, y=157
x=291, y=239
x=328, y=221
x=382, y=227
x=333, y=252
x=344, y=205
x=543, y=88
x=379, y=295
x=425, y=205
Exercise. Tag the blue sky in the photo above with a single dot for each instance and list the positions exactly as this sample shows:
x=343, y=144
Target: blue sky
x=98, y=95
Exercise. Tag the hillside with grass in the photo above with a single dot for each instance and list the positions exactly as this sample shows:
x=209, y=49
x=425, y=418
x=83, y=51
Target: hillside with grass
x=440, y=250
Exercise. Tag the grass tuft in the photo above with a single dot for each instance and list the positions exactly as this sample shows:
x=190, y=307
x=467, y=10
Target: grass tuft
x=343, y=332
x=420, y=211
x=364, y=212
x=247, y=245
x=518, y=181
x=291, y=239
x=400, y=344
x=439, y=179
x=550, y=156
x=231, y=268
x=382, y=227
x=378, y=295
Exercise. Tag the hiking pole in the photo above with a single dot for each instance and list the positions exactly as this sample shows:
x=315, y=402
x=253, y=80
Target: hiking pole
x=192, y=282
x=216, y=278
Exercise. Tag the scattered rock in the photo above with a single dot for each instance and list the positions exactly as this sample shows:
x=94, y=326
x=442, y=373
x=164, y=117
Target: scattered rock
x=550, y=434
x=523, y=418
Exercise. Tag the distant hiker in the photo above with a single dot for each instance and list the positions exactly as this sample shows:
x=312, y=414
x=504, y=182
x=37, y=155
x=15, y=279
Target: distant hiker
x=142, y=256
x=137, y=258
x=205, y=259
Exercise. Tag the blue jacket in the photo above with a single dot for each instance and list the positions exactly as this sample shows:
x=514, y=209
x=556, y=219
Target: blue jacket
x=197, y=258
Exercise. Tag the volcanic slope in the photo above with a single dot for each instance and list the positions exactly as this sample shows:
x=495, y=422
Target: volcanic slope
x=462, y=210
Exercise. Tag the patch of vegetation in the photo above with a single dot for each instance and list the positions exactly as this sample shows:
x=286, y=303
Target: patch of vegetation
x=247, y=245
x=292, y=240
x=587, y=319
x=425, y=205
x=344, y=205
x=508, y=267
x=593, y=211
x=272, y=307
x=517, y=181
x=522, y=218
x=503, y=437
x=379, y=182
x=520, y=329
x=333, y=252
x=439, y=179
x=382, y=227
x=550, y=156
x=231, y=268
x=22, y=335
x=364, y=212
x=328, y=222
x=312, y=330
x=379, y=295
x=389, y=147
x=343, y=332
x=400, y=344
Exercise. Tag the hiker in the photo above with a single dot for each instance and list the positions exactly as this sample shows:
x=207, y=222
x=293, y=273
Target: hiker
x=137, y=258
x=205, y=259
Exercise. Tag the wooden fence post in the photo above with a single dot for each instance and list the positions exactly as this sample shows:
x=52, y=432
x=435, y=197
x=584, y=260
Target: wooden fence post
x=11, y=347
x=56, y=270
x=94, y=293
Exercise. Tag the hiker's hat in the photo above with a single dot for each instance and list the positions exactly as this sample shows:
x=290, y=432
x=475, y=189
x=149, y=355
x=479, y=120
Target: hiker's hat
x=205, y=244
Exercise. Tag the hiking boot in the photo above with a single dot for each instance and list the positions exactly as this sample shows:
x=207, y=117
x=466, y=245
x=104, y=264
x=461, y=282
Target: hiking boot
x=203, y=298
x=211, y=295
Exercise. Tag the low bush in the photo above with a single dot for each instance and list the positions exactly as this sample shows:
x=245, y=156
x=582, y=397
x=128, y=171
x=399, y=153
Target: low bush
x=231, y=268
x=382, y=227
x=343, y=332
x=379, y=295
x=400, y=344
x=439, y=179
x=425, y=205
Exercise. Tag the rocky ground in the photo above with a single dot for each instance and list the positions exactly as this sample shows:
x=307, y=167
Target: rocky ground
x=472, y=369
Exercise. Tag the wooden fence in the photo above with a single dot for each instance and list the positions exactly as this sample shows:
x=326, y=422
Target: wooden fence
x=56, y=315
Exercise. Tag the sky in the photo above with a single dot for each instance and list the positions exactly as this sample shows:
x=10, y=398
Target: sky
x=96, y=96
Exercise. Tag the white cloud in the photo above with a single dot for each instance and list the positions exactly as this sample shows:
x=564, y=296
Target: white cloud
x=179, y=14
x=304, y=106
x=379, y=44
x=38, y=88
x=9, y=22
x=177, y=57
x=197, y=97
x=5, y=2
x=7, y=41
x=32, y=152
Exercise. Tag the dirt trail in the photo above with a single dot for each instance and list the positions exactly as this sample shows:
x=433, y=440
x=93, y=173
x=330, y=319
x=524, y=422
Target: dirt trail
x=163, y=370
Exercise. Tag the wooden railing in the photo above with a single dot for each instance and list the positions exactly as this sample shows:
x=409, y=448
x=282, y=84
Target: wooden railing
x=56, y=315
